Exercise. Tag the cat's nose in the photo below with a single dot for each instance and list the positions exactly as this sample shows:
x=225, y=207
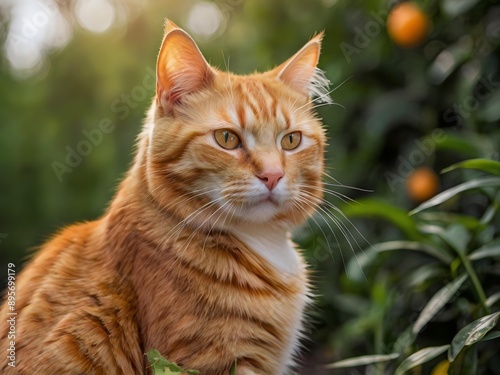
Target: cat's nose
x=271, y=176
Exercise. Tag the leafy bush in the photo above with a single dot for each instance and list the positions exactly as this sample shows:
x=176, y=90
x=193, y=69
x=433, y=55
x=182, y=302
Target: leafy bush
x=449, y=266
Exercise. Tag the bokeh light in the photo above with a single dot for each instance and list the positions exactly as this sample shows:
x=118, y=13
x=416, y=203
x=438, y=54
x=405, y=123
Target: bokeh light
x=205, y=19
x=36, y=27
x=95, y=15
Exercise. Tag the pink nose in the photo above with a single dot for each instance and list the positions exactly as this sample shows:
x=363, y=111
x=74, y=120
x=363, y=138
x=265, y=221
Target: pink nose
x=270, y=177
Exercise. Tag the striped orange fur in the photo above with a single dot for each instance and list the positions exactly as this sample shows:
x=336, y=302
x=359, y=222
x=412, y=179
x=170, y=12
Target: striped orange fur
x=193, y=257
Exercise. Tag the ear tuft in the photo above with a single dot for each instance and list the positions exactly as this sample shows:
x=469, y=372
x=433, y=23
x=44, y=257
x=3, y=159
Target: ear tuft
x=181, y=69
x=300, y=72
x=169, y=26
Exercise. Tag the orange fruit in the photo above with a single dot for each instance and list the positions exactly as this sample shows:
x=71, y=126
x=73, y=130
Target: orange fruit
x=407, y=24
x=422, y=184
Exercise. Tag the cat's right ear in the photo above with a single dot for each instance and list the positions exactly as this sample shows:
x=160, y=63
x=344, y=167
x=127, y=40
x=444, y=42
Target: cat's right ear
x=181, y=69
x=300, y=72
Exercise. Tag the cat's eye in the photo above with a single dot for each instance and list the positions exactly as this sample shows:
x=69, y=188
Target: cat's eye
x=291, y=141
x=227, y=139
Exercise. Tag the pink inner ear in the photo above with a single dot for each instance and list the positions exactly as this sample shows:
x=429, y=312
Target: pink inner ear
x=181, y=69
x=299, y=70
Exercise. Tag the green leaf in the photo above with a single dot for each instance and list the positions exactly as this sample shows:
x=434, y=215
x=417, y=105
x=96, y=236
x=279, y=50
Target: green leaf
x=490, y=111
x=363, y=360
x=457, y=237
x=414, y=246
x=472, y=333
x=485, y=165
x=450, y=218
x=493, y=299
x=369, y=255
x=458, y=143
x=490, y=212
x=437, y=302
x=234, y=368
x=431, y=229
x=454, y=8
x=487, y=251
x=404, y=341
x=450, y=193
x=491, y=336
x=423, y=275
x=454, y=55
x=420, y=357
x=162, y=366
x=380, y=209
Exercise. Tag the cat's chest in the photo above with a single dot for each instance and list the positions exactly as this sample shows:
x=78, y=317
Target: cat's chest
x=228, y=290
x=272, y=246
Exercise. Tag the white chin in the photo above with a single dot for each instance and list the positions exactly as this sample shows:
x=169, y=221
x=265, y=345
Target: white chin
x=260, y=213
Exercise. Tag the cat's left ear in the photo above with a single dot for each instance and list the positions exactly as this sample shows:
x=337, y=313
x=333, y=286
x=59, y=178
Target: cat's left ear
x=300, y=72
x=181, y=69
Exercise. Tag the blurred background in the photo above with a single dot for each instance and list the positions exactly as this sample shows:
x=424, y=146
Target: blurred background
x=414, y=91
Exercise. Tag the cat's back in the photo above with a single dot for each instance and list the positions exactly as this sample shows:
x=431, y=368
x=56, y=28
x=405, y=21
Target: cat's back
x=70, y=304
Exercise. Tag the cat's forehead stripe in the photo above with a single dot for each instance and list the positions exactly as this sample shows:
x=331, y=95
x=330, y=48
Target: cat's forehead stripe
x=260, y=105
x=253, y=109
x=240, y=111
x=286, y=117
x=258, y=109
x=274, y=102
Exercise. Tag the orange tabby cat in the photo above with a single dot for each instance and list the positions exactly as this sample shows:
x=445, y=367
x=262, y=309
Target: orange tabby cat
x=193, y=257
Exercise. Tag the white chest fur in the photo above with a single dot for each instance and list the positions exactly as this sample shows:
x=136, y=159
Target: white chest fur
x=274, y=245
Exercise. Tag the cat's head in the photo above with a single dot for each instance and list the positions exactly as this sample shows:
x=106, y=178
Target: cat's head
x=224, y=148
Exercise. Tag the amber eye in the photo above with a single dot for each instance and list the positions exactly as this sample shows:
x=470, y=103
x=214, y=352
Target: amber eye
x=291, y=141
x=227, y=139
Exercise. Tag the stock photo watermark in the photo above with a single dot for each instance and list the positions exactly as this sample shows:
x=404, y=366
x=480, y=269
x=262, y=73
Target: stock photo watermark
x=10, y=300
x=120, y=106
x=406, y=165
x=483, y=91
x=31, y=26
x=11, y=314
x=365, y=35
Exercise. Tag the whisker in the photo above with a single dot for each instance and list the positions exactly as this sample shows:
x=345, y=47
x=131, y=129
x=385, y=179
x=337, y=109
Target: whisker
x=338, y=184
x=215, y=223
x=344, y=198
x=349, y=187
x=338, y=224
x=343, y=228
x=322, y=231
x=183, y=223
x=190, y=238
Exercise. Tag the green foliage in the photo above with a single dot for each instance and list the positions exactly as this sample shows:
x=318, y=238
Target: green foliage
x=471, y=334
x=448, y=194
x=420, y=357
x=234, y=368
x=162, y=366
x=464, y=254
x=484, y=165
x=364, y=360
